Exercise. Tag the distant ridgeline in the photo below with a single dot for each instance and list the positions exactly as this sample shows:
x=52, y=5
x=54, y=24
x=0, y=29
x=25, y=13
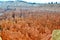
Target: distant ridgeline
x=12, y=5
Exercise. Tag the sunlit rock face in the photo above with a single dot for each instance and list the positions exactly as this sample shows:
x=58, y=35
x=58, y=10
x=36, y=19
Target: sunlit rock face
x=56, y=35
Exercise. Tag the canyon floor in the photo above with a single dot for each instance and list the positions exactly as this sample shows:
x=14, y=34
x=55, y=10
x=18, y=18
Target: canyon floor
x=30, y=23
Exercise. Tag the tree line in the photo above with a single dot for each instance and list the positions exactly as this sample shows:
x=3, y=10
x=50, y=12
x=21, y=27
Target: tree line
x=52, y=2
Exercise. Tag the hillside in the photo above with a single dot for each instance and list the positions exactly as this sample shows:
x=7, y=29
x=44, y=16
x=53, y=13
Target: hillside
x=13, y=5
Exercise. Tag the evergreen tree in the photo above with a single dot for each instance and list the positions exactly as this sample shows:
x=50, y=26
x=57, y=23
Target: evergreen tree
x=51, y=2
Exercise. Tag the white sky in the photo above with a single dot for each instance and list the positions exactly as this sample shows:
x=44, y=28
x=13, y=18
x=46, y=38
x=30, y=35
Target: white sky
x=42, y=1
x=7, y=0
x=37, y=1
